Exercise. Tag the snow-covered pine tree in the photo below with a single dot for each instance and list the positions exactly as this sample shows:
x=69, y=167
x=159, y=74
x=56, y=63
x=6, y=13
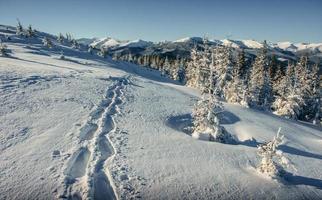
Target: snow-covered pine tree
x=19, y=28
x=206, y=116
x=302, y=88
x=175, y=69
x=30, y=31
x=166, y=67
x=272, y=160
x=234, y=92
x=181, y=71
x=47, y=42
x=313, y=103
x=260, y=84
x=276, y=82
x=241, y=85
x=193, y=68
x=273, y=67
x=289, y=102
x=207, y=113
x=60, y=38
x=204, y=67
x=242, y=65
x=224, y=68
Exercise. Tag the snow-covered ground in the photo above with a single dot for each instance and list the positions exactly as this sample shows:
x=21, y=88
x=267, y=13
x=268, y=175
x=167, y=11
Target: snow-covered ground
x=92, y=128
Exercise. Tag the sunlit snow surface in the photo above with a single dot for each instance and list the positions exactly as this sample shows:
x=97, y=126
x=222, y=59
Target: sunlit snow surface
x=94, y=128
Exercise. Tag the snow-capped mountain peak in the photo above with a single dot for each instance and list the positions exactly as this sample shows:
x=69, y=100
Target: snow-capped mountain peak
x=188, y=40
x=137, y=43
x=106, y=42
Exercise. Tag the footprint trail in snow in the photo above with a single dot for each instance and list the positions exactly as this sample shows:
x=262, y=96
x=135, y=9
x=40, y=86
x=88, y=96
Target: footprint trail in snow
x=85, y=174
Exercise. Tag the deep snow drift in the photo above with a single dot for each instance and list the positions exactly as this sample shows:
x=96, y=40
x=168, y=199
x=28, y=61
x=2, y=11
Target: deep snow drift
x=92, y=128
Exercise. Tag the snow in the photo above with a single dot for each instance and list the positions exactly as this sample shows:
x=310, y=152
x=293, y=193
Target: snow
x=106, y=43
x=294, y=47
x=189, y=39
x=95, y=128
x=230, y=43
x=252, y=44
x=137, y=43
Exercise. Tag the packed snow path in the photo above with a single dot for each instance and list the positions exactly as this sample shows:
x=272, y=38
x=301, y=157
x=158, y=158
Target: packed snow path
x=87, y=163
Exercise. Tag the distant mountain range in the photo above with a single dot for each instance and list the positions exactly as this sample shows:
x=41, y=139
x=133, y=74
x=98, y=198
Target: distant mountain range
x=182, y=47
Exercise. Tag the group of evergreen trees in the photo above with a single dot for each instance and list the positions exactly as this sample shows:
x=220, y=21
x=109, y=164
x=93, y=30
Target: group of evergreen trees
x=262, y=82
x=173, y=68
x=29, y=32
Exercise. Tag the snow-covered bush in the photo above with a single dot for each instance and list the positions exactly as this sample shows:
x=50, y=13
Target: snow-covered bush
x=30, y=31
x=75, y=44
x=47, y=42
x=61, y=56
x=19, y=29
x=272, y=160
x=60, y=38
x=289, y=107
x=206, y=115
x=3, y=49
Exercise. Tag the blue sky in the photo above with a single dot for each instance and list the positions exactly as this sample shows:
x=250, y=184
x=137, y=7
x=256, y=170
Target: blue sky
x=273, y=20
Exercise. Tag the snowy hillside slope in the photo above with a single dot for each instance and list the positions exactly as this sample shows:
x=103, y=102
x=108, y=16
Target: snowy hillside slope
x=93, y=128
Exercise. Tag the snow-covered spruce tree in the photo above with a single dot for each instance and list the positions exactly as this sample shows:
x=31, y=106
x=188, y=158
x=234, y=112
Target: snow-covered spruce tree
x=166, y=67
x=260, y=84
x=60, y=38
x=296, y=96
x=193, y=68
x=273, y=67
x=242, y=65
x=276, y=82
x=235, y=92
x=30, y=31
x=207, y=113
x=19, y=28
x=224, y=68
x=203, y=78
x=47, y=42
x=272, y=160
x=289, y=102
x=181, y=71
x=313, y=104
x=175, y=69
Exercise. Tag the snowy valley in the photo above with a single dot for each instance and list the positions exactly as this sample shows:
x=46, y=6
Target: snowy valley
x=77, y=125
